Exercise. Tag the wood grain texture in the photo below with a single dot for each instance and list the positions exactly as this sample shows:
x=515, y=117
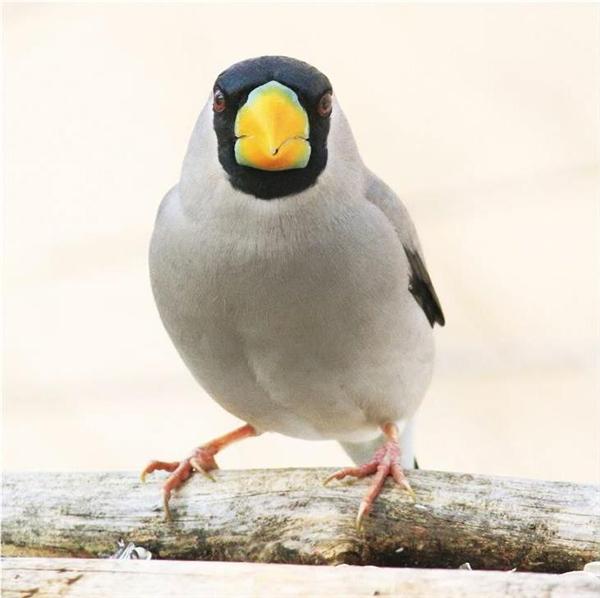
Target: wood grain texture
x=288, y=516
x=79, y=578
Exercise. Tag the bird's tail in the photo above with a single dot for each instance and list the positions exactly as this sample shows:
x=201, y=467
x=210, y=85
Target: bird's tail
x=361, y=452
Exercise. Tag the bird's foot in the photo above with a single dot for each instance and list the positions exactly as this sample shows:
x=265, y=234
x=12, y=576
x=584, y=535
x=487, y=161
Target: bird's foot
x=202, y=460
x=385, y=462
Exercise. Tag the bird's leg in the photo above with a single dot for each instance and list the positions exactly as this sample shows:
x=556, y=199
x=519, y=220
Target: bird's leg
x=385, y=462
x=202, y=460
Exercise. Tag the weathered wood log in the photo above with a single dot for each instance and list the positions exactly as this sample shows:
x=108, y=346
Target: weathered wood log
x=288, y=516
x=79, y=578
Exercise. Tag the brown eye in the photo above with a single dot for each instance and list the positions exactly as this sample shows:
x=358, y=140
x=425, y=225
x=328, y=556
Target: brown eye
x=218, y=101
x=324, y=105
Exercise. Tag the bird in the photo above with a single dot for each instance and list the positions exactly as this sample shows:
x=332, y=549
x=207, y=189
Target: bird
x=291, y=279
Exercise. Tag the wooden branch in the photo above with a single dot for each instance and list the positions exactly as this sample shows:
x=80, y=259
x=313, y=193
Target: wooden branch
x=288, y=516
x=43, y=578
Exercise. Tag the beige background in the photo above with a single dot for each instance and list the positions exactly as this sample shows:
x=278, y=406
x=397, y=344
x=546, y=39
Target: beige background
x=484, y=118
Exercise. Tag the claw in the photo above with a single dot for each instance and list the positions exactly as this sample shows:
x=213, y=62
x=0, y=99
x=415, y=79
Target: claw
x=410, y=492
x=363, y=511
x=401, y=480
x=329, y=478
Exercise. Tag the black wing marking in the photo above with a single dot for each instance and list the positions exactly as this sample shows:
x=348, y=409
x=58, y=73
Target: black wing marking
x=421, y=287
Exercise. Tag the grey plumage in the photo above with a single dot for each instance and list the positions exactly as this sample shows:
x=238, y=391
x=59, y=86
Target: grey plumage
x=298, y=315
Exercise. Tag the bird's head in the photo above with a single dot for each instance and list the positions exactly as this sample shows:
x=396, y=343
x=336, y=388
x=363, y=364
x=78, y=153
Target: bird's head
x=271, y=116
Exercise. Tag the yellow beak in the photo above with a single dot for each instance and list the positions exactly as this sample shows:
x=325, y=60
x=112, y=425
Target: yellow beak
x=272, y=130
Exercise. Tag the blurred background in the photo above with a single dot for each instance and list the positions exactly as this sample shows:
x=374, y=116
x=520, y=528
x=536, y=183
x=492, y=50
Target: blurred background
x=494, y=115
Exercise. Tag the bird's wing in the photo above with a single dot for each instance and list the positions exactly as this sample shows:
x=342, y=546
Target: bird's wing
x=420, y=285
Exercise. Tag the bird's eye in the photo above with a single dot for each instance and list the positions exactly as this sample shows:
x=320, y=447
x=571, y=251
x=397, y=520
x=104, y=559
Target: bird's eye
x=218, y=101
x=324, y=105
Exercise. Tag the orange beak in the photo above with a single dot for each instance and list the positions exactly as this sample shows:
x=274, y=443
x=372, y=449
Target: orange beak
x=272, y=130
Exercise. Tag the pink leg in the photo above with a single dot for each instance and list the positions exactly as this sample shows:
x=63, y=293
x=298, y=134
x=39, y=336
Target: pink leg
x=202, y=460
x=385, y=462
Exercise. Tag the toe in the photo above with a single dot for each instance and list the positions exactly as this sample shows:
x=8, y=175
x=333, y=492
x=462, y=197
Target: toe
x=158, y=466
x=355, y=472
x=167, y=509
x=174, y=481
x=180, y=475
x=341, y=474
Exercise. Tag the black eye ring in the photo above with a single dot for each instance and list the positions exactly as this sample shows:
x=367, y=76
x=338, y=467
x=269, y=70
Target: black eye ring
x=219, y=102
x=325, y=104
